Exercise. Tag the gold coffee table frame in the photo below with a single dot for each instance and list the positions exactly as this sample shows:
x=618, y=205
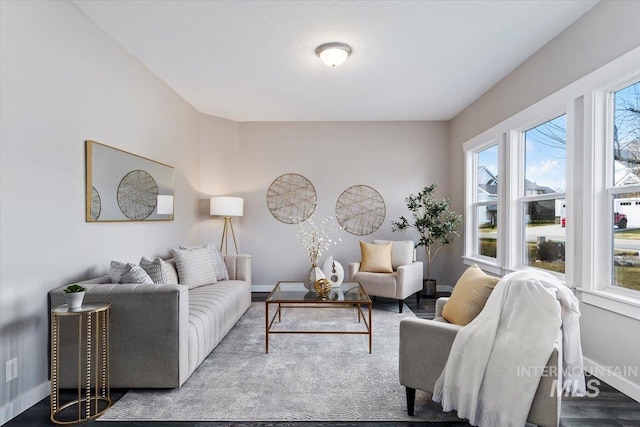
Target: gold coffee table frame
x=93, y=397
x=295, y=295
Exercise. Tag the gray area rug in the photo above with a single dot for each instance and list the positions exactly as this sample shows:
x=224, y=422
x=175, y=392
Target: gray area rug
x=302, y=378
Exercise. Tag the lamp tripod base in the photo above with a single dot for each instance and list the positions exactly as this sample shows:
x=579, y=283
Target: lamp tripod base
x=225, y=235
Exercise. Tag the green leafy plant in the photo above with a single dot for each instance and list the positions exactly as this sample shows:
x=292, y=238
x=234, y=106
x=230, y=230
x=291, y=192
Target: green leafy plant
x=433, y=220
x=73, y=289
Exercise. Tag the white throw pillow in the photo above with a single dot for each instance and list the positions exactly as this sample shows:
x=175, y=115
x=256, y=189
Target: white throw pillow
x=159, y=271
x=402, y=251
x=195, y=266
x=122, y=272
x=218, y=260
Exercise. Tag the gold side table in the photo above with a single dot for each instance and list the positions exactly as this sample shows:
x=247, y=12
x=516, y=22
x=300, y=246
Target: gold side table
x=93, y=397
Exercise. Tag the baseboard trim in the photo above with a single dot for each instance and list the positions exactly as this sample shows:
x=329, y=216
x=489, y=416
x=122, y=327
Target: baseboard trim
x=23, y=402
x=262, y=288
x=447, y=289
x=611, y=377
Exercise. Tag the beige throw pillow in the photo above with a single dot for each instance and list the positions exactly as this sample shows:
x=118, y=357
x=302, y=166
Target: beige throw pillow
x=469, y=296
x=376, y=258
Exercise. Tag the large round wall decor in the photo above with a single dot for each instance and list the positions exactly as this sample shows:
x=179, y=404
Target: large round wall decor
x=360, y=210
x=137, y=195
x=291, y=198
x=96, y=204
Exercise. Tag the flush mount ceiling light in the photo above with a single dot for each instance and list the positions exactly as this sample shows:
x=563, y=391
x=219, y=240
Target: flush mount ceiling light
x=333, y=54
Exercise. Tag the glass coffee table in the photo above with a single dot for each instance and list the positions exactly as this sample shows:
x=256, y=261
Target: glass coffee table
x=295, y=295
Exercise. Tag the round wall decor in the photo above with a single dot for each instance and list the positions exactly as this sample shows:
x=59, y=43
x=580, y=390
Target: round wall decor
x=137, y=194
x=291, y=198
x=360, y=210
x=96, y=204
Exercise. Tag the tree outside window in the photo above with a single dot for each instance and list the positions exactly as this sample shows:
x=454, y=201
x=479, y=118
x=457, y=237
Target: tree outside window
x=625, y=190
x=543, y=195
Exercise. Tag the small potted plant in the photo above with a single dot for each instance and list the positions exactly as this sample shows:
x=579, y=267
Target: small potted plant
x=435, y=223
x=73, y=295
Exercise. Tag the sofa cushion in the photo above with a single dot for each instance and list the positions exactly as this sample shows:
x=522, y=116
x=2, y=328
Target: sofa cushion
x=379, y=284
x=160, y=271
x=218, y=260
x=469, y=296
x=195, y=266
x=402, y=251
x=376, y=258
x=213, y=311
x=122, y=272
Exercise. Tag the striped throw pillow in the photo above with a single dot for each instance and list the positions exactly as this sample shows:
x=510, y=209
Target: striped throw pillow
x=122, y=272
x=159, y=271
x=195, y=266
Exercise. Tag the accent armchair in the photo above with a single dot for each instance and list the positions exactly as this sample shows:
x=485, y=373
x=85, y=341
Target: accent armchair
x=424, y=350
x=404, y=281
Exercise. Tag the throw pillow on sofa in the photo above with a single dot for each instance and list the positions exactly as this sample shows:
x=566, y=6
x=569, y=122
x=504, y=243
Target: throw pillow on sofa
x=122, y=272
x=159, y=270
x=469, y=296
x=218, y=261
x=195, y=266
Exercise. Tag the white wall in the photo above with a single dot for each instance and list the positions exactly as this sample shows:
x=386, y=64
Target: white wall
x=606, y=32
x=219, y=160
x=395, y=158
x=64, y=81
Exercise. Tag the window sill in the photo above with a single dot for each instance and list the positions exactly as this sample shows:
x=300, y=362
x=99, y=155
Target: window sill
x=484, y=264
x=615, y=302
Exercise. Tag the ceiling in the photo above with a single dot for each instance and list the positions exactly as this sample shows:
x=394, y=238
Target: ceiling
x=255, y=60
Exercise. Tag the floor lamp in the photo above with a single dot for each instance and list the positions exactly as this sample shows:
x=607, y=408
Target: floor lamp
x=226, y=207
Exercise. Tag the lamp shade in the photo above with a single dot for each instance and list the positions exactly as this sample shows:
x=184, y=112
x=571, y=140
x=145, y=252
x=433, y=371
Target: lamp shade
x=165, y=205
x=226, y=206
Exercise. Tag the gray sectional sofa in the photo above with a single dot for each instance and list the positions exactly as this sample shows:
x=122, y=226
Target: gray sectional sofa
x=159, y=334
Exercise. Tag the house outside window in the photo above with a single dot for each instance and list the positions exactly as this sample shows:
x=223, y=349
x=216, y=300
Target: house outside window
x=624, y=187
x=486, y=202
x=542, y=200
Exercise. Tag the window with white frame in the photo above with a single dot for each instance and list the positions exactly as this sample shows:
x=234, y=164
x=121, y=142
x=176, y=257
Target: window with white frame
x=485, y=203
x=542, y=195
x=623, y=186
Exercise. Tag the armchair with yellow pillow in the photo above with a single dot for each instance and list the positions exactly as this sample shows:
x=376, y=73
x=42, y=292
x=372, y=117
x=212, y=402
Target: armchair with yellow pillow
x=388, y=269
x=425, y=346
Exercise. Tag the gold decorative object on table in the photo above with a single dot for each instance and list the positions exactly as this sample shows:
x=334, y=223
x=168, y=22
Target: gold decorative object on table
x=92, y=358
x=323, y=286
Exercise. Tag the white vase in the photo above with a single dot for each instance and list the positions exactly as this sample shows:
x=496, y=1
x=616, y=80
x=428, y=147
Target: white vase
x=333, y=271
x=74, y=299
x=313, y=275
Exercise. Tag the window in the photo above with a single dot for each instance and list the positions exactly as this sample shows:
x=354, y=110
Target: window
x=624, y=187
x=485, y=206
x=542, y=196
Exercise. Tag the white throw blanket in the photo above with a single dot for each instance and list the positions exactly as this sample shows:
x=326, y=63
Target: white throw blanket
x=486, y=376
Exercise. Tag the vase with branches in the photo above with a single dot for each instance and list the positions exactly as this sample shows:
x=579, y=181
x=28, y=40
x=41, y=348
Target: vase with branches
x=433, y=220
x=316, y=240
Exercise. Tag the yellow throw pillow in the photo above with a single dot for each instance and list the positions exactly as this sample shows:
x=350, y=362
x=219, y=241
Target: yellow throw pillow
x=376, y=258
x=469, y=296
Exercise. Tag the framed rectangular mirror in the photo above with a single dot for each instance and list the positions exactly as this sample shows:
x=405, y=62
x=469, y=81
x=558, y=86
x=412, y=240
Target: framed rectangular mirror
x=122, y=186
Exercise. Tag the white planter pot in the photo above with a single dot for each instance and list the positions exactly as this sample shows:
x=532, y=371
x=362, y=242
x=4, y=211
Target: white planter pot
x=74, y=299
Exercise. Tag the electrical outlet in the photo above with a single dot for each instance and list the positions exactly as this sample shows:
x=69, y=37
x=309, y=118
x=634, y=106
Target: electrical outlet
x=11, y=369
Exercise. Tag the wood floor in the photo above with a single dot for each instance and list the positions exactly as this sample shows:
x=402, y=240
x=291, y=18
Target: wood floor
x=609, y=408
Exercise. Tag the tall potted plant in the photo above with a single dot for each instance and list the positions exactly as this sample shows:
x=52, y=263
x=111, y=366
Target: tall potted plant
x=435, y=224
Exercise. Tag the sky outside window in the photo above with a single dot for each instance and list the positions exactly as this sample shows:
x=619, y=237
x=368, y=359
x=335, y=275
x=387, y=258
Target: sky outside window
x=546, y=155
